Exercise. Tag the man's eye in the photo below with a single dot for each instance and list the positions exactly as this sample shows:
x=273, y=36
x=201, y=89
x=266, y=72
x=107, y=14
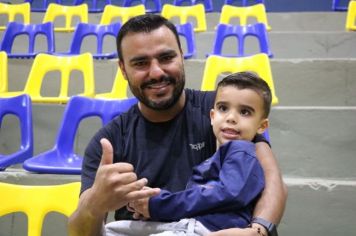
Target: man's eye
x=139, y=63
x=166, y=58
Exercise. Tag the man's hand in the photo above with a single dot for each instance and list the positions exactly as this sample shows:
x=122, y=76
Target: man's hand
x=237, y=232
x=115, y=184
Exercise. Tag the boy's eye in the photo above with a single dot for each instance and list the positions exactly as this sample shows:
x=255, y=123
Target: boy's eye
x=245, y=112
x=222, y=108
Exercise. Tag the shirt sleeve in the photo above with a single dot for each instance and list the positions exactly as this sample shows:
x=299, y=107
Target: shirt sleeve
x=239, y=182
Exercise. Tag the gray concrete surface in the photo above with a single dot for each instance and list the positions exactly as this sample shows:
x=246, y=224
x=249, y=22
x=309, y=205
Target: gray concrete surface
x=312, y=128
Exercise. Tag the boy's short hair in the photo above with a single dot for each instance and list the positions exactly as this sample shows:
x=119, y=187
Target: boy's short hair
x=144, y=23
x=250, y=80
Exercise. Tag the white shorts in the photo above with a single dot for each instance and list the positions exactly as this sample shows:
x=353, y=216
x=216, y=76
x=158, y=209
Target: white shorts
x=184, y=227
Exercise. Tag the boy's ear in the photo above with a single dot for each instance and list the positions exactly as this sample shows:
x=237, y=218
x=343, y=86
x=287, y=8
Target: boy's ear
x=212, y=113
x=263, y=126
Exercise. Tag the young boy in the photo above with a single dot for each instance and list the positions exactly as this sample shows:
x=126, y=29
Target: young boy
x=222, y=190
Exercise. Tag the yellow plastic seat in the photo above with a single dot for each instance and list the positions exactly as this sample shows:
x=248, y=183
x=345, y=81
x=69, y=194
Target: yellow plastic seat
x=45, y=63
x=351, y=16
x=13, y=10
x=55, y=11
x=125, y=13
x=119, y=88
x=37, y=201
x=216, y=65
x=3, y=72
x=257, y=11
x=184, y=12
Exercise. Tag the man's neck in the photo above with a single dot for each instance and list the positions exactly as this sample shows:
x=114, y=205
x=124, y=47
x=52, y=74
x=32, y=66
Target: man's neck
x=163, y=115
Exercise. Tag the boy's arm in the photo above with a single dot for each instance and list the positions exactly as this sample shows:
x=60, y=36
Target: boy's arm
x=237, y=186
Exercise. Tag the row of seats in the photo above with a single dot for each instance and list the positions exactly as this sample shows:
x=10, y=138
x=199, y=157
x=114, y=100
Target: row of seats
x=98, y=6
x=45, y=63
x=101, y=33
x=111, y=12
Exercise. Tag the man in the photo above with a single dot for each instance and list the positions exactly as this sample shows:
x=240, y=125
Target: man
x=162, y=137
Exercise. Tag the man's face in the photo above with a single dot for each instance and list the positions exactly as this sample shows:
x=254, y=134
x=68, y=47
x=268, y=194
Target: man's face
x=153, y=65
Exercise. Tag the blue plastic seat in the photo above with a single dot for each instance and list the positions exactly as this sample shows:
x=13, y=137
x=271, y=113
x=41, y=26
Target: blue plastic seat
x=157, y=8
x=208, y=4
x=83, y=30
x=94, y=6
x=15, y=29
x=187, y=31
x=62, y=159
x=21, y=107
x=243, y=2
x=338, y=6
x=257, y=30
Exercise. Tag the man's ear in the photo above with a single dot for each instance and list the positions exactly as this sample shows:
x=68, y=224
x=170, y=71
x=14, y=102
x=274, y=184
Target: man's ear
x=212, y=114
x=122, y=68
x=263, y=126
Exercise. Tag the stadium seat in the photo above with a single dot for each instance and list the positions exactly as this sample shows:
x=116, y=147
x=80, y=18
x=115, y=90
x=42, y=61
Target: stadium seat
x=257, y=11
x=186, y=30
x=156, y=8
x=216, y=65
x=243, y=3
x=3, y=72
x=37, y=201
x=32, y=31
x=242, y=34
x=62, y=159
x=55, y=11
x=112, y=12
x=94, y=6
x=184, y=12
x=84, y=30
x=351, y=16
x=208, y=4
x=119, y=88
x=20, y=107
x=338, y=6
x=45, y=63
x=14, y=10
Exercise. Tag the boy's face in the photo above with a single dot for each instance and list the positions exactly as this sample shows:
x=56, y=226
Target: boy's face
x=237, y=114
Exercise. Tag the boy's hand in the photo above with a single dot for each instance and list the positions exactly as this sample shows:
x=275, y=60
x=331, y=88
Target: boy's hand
x=140, y=207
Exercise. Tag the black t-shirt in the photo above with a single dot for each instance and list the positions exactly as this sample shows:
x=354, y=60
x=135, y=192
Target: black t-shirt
x=164, y=153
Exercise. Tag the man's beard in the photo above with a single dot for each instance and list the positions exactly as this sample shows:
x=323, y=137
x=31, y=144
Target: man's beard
x=163, y=105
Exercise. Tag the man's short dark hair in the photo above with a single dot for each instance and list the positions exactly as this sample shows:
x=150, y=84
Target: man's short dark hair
x=250, y=80
x=144, y=23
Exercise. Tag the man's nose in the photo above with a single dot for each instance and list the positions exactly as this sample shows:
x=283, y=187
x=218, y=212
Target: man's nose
x=156, y=70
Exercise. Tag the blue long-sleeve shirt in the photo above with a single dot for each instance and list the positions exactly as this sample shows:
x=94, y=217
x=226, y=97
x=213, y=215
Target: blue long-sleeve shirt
x=221, y=192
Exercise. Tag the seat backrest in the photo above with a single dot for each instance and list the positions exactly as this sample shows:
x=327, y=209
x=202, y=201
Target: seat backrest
x=257, y=11
x=257, y=30
x=20, y=107
x=125, y=13
x=186, y=30
x=243, y=3
x=157, y=5
x=13, y=10
x=84, y=30
x=79, y=108
x=338, y=6
x=37, y=201
x=216, y=65
x=119, y=88
x=3, y=72
x=41, y=5
x=208, y=4
x=351, y=16
x=45, y=63
x=54, y=11
x=184, y=12
x=15, y=29
x=95, y=6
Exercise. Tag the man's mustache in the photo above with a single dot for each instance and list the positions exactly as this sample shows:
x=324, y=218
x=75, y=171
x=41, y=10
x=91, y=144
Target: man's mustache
x=168, y=79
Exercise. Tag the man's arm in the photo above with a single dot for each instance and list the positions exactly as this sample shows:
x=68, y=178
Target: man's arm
x=114, y=186
x=273, y=200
